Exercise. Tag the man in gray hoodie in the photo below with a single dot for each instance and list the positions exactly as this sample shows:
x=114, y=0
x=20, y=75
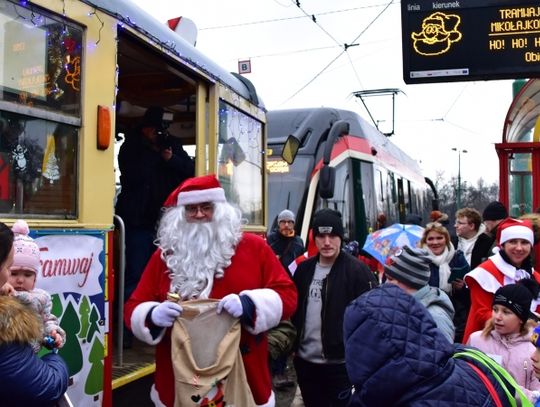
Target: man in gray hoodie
x=409, y=269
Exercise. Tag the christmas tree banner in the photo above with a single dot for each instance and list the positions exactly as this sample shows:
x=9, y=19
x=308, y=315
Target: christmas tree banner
x=72, y=271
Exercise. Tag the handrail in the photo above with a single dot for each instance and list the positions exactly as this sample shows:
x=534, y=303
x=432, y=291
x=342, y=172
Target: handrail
x=121, y=280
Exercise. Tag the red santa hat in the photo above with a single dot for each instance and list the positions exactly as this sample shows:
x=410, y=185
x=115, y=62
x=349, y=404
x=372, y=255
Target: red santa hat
x=515, y=229
x=197, y=190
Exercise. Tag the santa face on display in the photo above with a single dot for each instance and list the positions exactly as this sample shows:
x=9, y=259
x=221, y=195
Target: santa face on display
x=197, y=243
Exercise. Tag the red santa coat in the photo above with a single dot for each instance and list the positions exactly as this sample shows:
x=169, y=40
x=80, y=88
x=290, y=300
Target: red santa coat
x=255, y=271
x=483, y=282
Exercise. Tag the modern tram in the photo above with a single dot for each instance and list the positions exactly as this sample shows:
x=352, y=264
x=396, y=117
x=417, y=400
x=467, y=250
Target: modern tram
x=324, y=157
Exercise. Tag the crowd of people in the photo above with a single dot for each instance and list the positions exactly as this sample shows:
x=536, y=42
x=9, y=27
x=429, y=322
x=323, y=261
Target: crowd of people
x=227, y=314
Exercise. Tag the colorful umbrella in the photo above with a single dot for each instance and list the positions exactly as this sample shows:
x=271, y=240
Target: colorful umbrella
x=385, y=242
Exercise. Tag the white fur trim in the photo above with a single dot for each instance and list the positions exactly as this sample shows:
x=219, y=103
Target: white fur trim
x=511, y=274
x=138, y=323
x=268, y=309
x=516, y=232
x=201, y=195
x=485, y=279
x=271, y=401
x=154, y=396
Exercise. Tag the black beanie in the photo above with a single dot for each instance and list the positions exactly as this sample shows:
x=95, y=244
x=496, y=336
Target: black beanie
x=494, y=211
x=327, y=221
x=153, y=117
x=517, y=298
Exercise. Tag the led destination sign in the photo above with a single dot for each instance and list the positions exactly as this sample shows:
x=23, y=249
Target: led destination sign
x=464, y=40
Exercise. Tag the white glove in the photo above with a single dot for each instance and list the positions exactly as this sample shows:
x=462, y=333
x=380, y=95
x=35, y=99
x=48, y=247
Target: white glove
x=165, y=313
x=232, y=305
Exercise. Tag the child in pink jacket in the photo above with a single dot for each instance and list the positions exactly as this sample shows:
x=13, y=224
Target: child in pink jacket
x=507, y=335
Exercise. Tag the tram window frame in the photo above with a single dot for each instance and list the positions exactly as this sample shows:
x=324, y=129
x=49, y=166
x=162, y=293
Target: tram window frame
x=42, y=63
x=39, y=165
x=342, y=200
x=240, y=161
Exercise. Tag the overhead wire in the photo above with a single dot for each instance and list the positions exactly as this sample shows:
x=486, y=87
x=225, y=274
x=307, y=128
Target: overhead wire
x=273, y=20
x=314, y=19
x=339, y=55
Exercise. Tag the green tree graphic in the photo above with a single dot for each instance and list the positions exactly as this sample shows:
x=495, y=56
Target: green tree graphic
x=71, y=352
x=94, y=381
x=84, y=312
x=57, y=307
x=94, y=324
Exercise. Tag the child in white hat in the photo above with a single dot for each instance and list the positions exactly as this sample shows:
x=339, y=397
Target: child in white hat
x=22, y=280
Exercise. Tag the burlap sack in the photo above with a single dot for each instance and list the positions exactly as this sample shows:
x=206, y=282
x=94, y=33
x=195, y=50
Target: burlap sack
x=207, y=363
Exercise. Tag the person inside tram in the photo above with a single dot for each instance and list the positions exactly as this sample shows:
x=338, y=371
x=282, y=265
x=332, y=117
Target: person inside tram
x=152, y=163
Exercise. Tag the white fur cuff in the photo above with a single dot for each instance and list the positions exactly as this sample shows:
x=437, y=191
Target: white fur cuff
x=138, y=323
x=268, y=309
x=270, y=403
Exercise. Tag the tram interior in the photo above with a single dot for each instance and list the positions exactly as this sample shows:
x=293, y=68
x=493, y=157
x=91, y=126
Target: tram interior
x=145, y=79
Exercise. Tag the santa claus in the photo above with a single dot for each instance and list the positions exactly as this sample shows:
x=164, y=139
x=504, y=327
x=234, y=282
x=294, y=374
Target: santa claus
x=202, y=253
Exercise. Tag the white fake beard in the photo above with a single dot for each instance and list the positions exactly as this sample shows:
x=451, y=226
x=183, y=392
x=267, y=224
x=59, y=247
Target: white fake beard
x=195, y=254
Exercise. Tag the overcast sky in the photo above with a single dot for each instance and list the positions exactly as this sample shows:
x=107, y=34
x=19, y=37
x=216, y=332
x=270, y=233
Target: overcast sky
x=289, y=52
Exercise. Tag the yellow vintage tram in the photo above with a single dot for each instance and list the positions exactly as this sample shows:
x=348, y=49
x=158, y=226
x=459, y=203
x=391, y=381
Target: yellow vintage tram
x=76, y=75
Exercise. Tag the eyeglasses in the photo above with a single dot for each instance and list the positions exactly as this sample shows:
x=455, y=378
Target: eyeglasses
x=461, y=223
x=205, y=208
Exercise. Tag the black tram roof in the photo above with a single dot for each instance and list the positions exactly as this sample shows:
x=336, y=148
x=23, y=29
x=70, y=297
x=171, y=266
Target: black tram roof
x=282, y=123
x=129, y=14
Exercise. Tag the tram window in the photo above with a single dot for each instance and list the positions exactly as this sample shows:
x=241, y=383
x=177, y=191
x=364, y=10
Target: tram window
x=341, y=201
x=240, y=161
x=38, y=167
x=41, y=64
x=368, y=189
x=379, y=191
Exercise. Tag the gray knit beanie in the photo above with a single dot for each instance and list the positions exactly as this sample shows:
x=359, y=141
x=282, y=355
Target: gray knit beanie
x=285, y=215
x=409, y=266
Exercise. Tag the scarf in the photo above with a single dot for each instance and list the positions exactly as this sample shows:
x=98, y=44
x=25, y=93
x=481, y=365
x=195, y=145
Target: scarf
x=442, y=261
x=467, y=245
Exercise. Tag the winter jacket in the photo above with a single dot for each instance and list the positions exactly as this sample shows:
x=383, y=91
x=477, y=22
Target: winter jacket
x=440, y=307
x=286, y=248
x=461, y=298
x=484, y=281
x=396, y=356
x=25, y=379
x=481, y=249
x=514, y=352
x=347, y=279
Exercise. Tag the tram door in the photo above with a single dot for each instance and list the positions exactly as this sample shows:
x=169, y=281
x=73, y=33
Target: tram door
x=519, y=170
x=401, y=200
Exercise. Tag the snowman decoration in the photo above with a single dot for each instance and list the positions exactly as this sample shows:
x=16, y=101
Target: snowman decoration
x=19, y=159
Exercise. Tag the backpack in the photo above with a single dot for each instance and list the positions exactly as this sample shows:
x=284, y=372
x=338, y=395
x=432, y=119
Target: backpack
x=513, y=392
